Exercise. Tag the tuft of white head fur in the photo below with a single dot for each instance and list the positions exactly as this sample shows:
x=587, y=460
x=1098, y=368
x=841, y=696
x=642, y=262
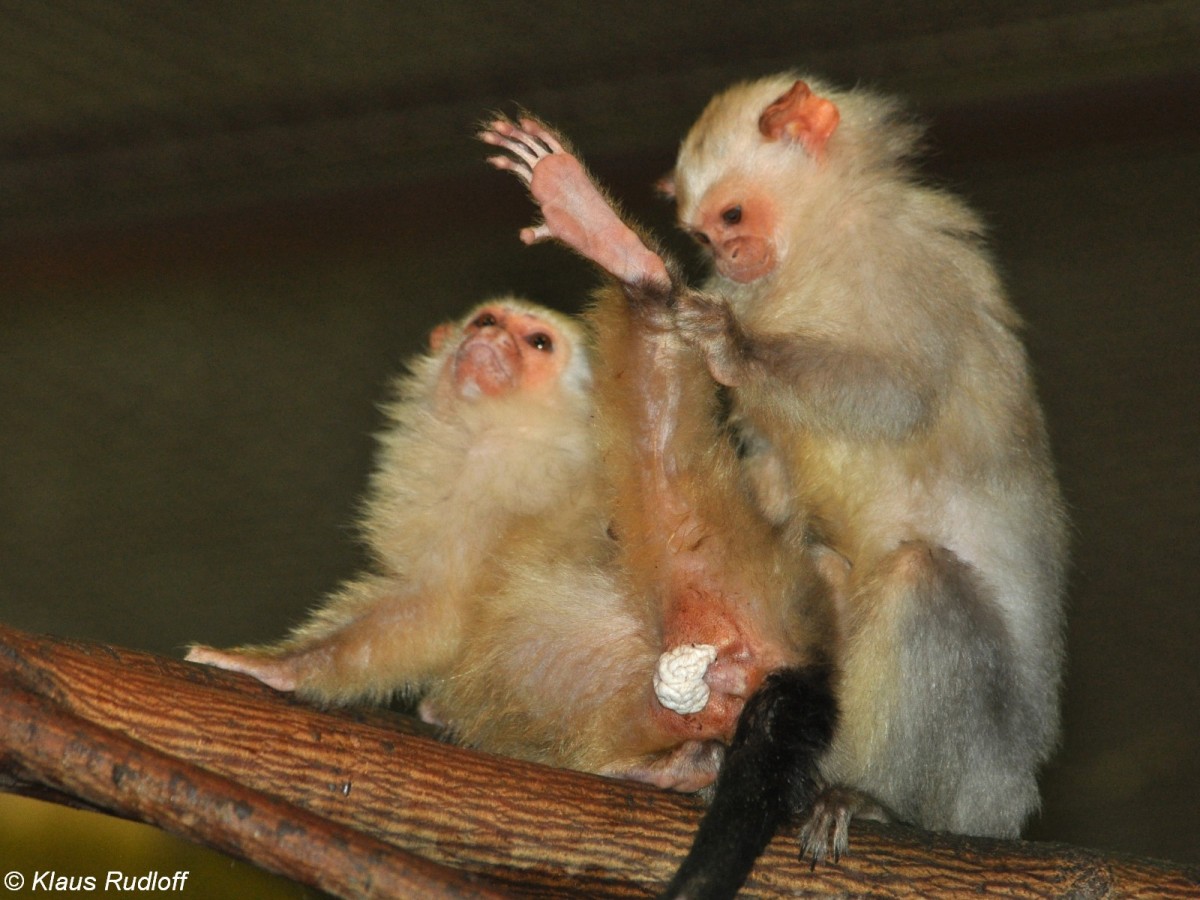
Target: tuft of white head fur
x=874, y=137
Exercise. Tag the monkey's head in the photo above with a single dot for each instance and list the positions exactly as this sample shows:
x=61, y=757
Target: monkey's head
x=758, y=158
x=508, y=345
x=730, y=180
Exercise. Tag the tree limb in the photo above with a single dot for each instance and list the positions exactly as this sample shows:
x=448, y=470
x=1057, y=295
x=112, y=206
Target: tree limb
x=367, y=804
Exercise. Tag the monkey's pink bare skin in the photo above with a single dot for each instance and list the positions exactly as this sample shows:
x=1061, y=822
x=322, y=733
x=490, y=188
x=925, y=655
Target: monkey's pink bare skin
x=500, y=351
x=575, y=211
x=276, y=672
x=692, y=766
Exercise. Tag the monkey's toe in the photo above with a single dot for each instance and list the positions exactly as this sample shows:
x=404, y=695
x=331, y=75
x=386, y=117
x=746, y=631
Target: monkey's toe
x=826, y=833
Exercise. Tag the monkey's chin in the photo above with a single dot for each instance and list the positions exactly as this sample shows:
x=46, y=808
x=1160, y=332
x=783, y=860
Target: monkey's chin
x=483, y=371
x=744, y=271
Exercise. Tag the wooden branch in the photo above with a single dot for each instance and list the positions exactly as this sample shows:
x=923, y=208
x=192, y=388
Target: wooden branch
x=364, y=804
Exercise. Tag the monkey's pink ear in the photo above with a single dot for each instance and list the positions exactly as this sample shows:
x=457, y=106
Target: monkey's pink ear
x=665, y=186
x=438, y=336
x=800, y=115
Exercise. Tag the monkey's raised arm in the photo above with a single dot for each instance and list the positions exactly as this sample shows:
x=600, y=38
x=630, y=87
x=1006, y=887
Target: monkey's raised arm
x=824, y=381
x=574, y=209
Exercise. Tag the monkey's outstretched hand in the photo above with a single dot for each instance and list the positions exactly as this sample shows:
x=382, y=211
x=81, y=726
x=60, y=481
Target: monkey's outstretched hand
x=575, y=210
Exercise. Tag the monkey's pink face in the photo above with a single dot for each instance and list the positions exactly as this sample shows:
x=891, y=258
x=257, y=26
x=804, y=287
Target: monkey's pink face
x=737, y=226
x=502, y=350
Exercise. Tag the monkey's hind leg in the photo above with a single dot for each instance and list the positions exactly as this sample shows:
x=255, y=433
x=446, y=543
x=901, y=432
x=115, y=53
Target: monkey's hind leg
x=352, y=661
x=373, y=638
x=934, y=721
x=689, y=767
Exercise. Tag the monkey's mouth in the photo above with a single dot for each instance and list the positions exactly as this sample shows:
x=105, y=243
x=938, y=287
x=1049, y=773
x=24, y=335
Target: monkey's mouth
x=743, y=271
x=487, y=368
x=745, y=259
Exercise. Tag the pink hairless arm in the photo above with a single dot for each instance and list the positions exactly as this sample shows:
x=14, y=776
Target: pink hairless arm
x=574, y=210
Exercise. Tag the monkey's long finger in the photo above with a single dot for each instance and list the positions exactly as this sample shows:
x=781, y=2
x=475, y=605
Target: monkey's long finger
x=537, y=137
x=515, y=138
x=535, y=234
x=508, y=164
x=521, y=145
x=543, y=134
x=502, y=126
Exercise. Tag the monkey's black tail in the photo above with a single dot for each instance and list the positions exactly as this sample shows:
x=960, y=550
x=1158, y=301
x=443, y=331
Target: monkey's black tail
x=769, y=776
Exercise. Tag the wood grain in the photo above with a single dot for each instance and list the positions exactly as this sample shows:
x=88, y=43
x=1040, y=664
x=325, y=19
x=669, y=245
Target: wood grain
x=368, y=804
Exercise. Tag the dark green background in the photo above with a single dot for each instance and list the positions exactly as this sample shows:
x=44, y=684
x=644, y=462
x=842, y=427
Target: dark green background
x=206, y=284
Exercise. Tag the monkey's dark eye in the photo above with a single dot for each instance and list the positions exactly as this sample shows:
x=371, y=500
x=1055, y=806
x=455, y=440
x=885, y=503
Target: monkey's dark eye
x=732, y=216
x=540, y=341
x=486, y=320
x=700, y=238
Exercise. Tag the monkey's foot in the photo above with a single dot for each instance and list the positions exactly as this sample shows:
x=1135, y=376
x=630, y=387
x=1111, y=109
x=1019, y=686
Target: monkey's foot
x=826, y=834
x=691, y=766
x=574, y=209
x=428, y=713
x=271, y=671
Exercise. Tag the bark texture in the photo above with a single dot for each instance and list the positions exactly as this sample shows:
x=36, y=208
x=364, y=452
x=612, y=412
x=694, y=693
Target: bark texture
x=369, y=804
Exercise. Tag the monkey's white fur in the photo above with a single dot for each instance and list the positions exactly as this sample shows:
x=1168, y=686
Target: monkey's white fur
x=886, y=400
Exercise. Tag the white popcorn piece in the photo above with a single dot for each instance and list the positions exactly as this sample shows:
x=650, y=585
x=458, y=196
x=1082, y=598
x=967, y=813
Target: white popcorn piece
x=679, y=677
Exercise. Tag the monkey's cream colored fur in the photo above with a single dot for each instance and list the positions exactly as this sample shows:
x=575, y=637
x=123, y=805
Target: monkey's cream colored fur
x=888, y=406
x=497, y=593
x=491, y=591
